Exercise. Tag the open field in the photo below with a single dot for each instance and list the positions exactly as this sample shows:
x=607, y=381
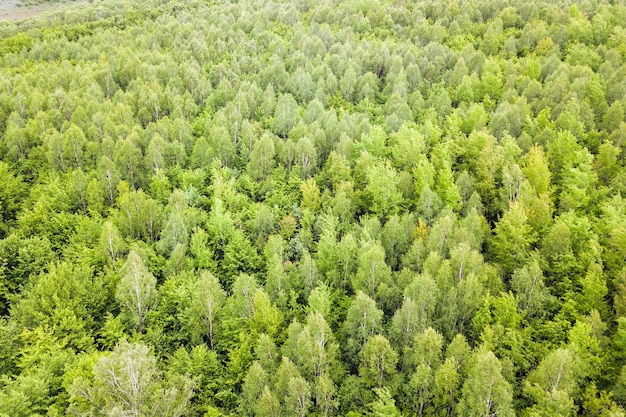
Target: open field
x=14, y=10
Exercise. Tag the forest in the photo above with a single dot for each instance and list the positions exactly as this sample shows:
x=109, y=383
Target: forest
x=314, y=208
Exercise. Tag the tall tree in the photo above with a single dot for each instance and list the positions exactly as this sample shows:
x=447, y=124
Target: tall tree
x=127, y=382
x=551, y=383
x=253, y=387
x=513, y=238
x=372, y=268
x=208, y=298
x=382, y=189
x=136, y=291
x=12, y=191
x=363, y=319
x=378, y=362
x=485, y=391
x=298, y=398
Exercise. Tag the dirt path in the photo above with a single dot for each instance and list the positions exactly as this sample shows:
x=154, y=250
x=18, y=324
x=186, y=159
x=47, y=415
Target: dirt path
x=13, y=10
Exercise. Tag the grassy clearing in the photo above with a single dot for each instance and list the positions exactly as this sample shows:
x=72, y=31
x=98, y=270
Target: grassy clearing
x=18, y=10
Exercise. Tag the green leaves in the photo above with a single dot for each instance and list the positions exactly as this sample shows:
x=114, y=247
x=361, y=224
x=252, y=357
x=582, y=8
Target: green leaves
x=357, y=208
x=12, y=191
x=382, y=189
x=378, y=362
x=208, y=298
x=513, y=238
x=136, y=291
x=372, y=269
x=486, y=392
x=127, y=381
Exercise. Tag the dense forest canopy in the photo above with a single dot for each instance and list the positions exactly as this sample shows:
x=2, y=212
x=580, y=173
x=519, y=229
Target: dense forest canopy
x=258, y=208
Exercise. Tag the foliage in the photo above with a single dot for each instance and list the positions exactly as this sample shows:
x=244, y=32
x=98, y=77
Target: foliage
x=361, y=207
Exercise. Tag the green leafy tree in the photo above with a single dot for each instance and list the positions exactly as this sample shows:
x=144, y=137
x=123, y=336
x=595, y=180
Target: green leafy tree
x=421, y=389
x=528, y=283
x=417, y=311
x=382, y=189
x=486, y=392
x=267, y=405
x=266, y=352
x=320, y=301
x=265, y=316
x=325, y=395
x=127, y=382
x=372, y=268
x=536, y=170
x=347, y=249
x=286, y=371
x=203, y=256
x=175, y=231
x=378, y=362
x=285, y=114
x=239, y=256
x=363, y=319
x=203, y=366
x=317, y=347
x=111, y=242
x=513, y=238
x=12, y=191
x=136, y=291
x=262, y=157
x=385, y=405
x=551, y=383
x=21, y=259
x=66, y=303
x=298, y=398
x=253, y=387
x=208, y=299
